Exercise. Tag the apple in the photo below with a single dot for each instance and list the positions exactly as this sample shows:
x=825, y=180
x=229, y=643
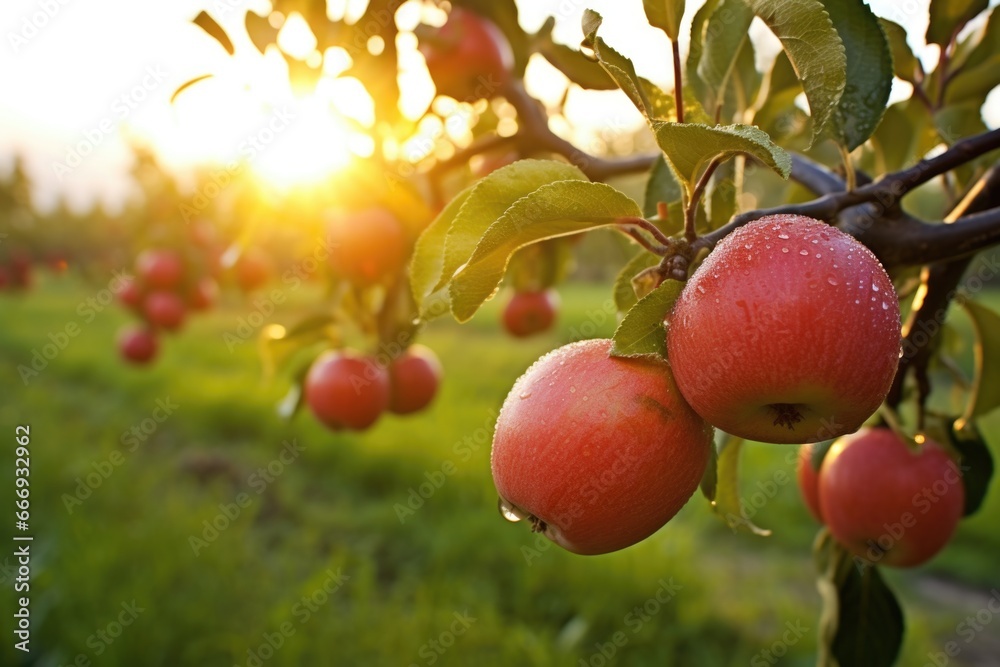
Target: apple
x=138, y=345
x=414, y=377
x=253, y=269
x=130, y=294
x=158, y=268
x=529, y=313
x=203, y=294
x=367, y=246
x=808, y=479
x=164, y=310
x=889, y=505
x=468, y=58
x=345, y=390
x=788, y=332
x=598, y=452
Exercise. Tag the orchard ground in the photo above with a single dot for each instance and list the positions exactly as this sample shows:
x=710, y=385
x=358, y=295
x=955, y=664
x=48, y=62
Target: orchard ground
x=308, y=559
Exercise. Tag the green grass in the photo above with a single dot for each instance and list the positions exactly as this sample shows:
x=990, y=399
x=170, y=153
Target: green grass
x=335, y=508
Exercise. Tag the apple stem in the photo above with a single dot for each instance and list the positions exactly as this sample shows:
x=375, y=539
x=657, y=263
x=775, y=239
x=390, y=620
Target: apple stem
x=690, y=212
x=678, y=82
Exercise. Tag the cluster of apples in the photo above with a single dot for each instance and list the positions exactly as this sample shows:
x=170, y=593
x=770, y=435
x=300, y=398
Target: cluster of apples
x=163, y=289
x=344, y=388
x=599, y=452
x=347, y=390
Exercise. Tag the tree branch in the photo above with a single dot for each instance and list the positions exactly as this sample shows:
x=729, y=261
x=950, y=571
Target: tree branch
x=535, y=136
x=815, y=177
x=886, y=193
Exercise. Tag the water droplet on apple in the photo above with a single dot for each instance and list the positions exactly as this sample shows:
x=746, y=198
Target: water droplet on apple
x=784, y=250
x=572, y=390
x=510, y=511
x=874, y=287
x=856, y=301
x=747, y=245
x=804, y=252
x=701, y=290
x=832, y=281
x=768, y=246
x=815, y=241
x=783, y=237
x=819, y=255
x=885, y=306
x=524, y=395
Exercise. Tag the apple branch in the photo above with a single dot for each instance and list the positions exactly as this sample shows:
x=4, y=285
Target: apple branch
x=887, y=192
x=535, y=135
x=939, y=287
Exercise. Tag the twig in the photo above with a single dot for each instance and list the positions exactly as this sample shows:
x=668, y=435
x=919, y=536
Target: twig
x=678, y=82
x=691, y=211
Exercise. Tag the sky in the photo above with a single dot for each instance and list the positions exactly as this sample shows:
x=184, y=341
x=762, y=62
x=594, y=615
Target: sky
x=89, y=74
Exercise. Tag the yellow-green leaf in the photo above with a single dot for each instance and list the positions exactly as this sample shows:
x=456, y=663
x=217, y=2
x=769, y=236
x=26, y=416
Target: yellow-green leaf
x=904, y=64
x=641, y=333
x=948, y=16
x=665, y=15
x=985, y=395
x=727, y=491
x=556, y=209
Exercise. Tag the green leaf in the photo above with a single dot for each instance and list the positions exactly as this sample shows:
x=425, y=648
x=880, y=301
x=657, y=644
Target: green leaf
x=727, y=503
x=557, y=209
x=428, y=254
x=986, y=385
x=861, y=624
x=578, y=68
x=976, y=464
x=642, y=333
x=648, y=98
x=665, y=15
x=720, y=198
x=948, y=16
x=778, y=115
x=690, y=147
x=726, y=33
x=277, y=345
x=904, y=64
x=814, y=49
x=905, y=134
x=975, y=64
x=489, y=199
x=625, y=296
x=869, y=72
x=699, y=23
x=661, y=187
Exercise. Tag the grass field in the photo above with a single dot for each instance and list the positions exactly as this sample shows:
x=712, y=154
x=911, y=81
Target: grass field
x=324, y=552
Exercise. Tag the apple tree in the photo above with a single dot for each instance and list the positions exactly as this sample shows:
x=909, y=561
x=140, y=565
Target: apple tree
x=799, y=256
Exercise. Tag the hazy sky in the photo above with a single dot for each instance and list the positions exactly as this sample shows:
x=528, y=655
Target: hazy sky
x=88, y=71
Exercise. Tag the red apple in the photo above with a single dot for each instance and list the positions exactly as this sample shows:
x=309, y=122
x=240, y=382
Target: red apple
x=203, y=294
x=788, y=332
x=130, y=294
x=345, y=390
x=468, y=58
x=808, y=479
x=158, y=268
x=599, y=452
x=529, y=313
x=138, y=345
x=887, y=504
x=414, y=377
x=367, y=246
x=164, y=310
x=253, y=269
